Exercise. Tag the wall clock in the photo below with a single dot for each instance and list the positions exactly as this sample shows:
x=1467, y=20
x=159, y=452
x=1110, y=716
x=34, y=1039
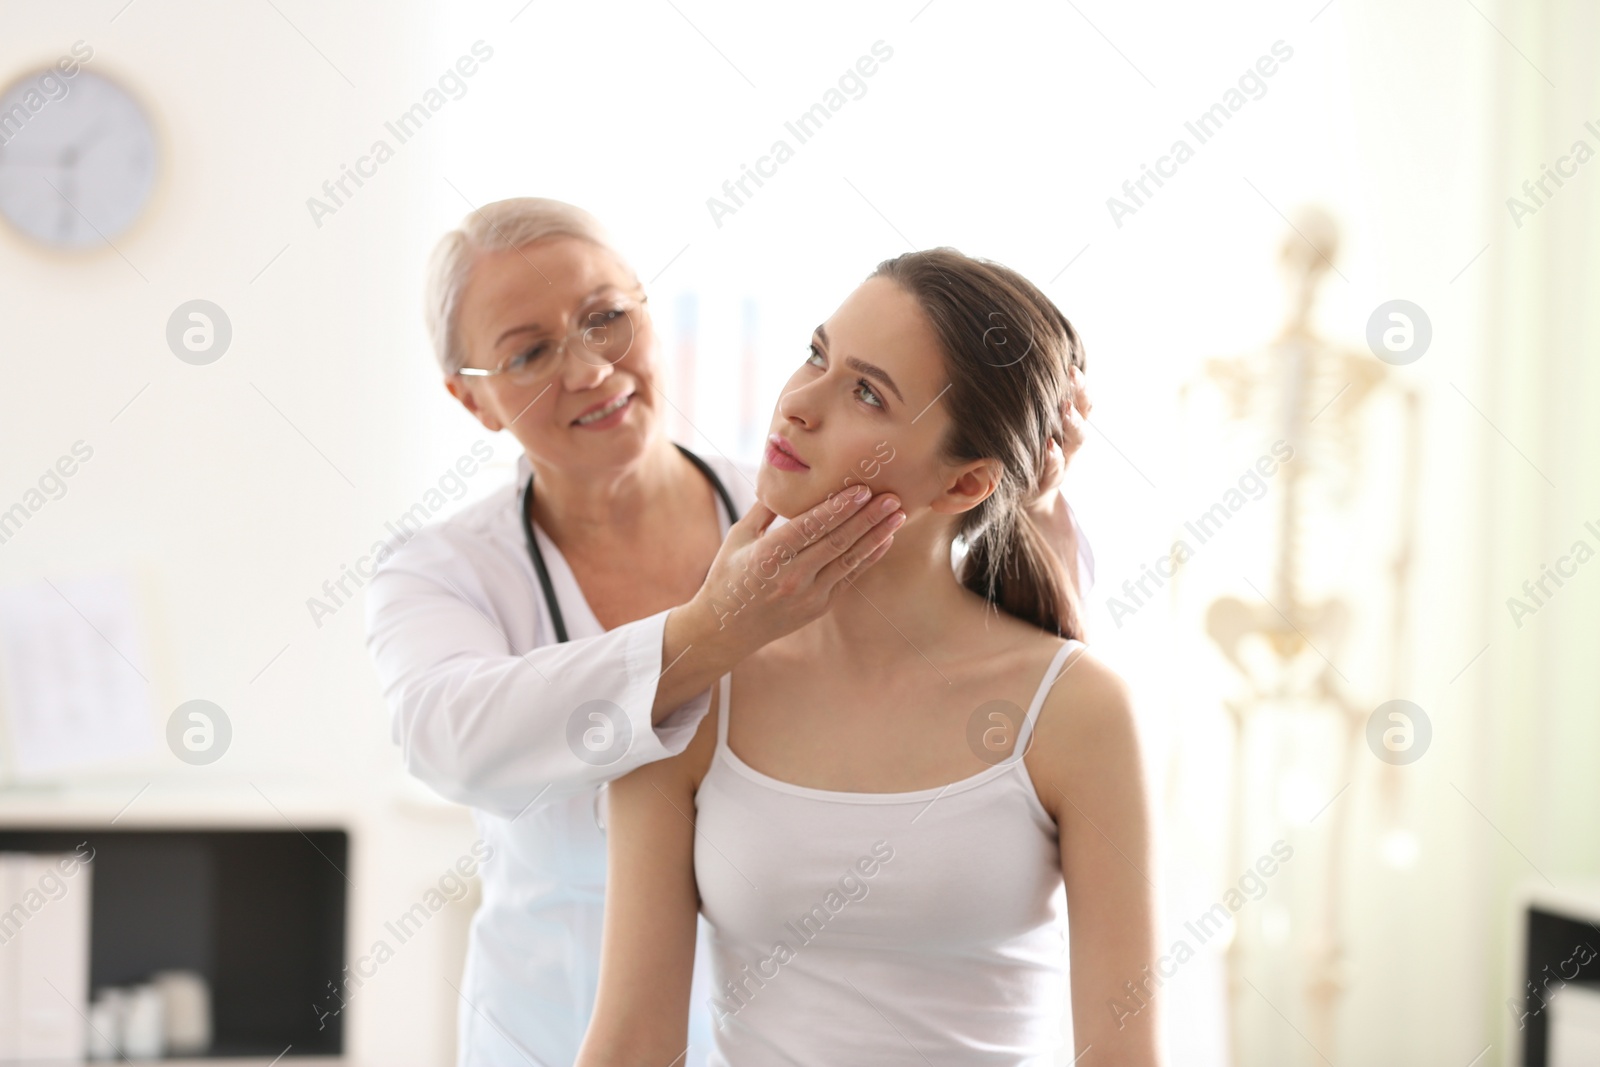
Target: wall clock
x=77, y=158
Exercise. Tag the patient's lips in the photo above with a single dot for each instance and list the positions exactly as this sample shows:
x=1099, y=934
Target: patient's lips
x=781, y=454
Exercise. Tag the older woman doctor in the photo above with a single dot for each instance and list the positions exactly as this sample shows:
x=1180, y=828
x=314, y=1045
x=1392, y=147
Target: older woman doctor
x=568, y=628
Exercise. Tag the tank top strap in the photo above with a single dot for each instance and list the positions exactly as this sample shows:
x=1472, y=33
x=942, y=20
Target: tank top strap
x=725, y=685
x=1051, y=675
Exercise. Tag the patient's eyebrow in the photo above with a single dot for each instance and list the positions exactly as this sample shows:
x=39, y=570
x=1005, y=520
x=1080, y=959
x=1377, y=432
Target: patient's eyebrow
x=872, y=370
x=861, y=366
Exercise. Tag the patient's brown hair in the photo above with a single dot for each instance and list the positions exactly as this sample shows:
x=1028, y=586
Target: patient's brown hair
x=1007, y=348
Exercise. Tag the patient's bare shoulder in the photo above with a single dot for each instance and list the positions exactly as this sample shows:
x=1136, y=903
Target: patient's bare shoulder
x=1086, y=739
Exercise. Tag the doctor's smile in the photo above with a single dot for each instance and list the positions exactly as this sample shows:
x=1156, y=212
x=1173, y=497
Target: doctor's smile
x=606, y=414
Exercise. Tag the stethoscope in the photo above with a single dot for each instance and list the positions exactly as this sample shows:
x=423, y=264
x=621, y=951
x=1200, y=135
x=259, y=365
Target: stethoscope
x=538, y=557
x=543, y=572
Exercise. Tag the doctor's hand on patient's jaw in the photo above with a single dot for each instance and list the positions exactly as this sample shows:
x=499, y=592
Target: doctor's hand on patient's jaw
x=767, y=582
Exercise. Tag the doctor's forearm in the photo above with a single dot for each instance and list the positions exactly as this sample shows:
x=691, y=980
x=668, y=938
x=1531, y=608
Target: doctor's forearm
x=696, y=650
x=1054, y=521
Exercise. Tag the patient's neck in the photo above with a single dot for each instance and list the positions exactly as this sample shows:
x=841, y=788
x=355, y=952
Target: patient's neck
x=909, y=603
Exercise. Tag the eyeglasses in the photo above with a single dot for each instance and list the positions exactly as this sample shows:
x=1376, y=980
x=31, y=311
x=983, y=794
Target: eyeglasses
x=601, y=334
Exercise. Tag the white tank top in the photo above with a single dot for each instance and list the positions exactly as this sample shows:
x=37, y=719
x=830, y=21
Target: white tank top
x=921, y=927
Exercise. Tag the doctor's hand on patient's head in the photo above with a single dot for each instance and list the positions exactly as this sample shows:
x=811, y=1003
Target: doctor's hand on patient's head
x=1074, y=420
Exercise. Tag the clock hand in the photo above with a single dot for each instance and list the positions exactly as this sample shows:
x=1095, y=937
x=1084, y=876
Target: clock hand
x=71, y=153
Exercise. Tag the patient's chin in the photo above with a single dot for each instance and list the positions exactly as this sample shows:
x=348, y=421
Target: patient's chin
x=777, y=491
x=779, y=502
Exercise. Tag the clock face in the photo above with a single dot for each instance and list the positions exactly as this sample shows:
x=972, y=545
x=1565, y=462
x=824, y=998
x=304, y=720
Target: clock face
x=76, y=164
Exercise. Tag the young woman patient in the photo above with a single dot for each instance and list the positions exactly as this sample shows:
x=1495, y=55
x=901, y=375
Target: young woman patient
x=891, y=817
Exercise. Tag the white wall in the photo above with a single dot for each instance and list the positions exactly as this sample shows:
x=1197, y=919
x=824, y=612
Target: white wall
x=227, y=515
x=1537, y=719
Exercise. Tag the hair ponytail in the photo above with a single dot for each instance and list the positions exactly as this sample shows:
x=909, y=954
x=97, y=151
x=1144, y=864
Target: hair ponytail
x=1007, y=350
x=1019, y=572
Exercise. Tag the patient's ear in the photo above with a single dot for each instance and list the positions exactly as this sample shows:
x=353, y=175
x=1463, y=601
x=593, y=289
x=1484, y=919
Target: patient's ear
x=967, y=486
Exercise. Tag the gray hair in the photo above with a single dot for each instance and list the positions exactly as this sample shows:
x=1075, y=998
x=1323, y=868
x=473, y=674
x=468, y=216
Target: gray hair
x=496, y=227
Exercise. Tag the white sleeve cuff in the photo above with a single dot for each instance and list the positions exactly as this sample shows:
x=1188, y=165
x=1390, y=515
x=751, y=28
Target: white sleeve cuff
x=678, y=729
x=643, y=666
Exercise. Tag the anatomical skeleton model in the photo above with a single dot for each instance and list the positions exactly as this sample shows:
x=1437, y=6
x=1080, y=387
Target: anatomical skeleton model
x=1312, y=394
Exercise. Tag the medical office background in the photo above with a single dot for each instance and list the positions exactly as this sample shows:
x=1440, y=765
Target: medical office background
x=226, y=491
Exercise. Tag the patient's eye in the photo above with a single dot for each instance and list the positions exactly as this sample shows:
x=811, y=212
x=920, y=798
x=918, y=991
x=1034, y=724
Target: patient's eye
x=813, y=355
